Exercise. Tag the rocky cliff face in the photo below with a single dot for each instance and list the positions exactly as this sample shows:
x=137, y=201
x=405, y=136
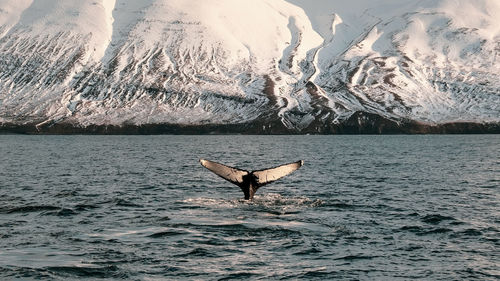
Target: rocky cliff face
x=260, y=66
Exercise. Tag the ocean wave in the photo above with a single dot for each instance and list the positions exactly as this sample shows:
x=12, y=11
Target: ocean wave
x=28, y=209
x=88, y=271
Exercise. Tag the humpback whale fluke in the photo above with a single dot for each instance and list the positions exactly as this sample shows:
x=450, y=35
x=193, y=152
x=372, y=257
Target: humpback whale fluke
x=249, y=182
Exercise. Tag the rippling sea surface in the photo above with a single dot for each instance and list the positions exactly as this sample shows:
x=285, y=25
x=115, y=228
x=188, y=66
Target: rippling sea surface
x=143, y=208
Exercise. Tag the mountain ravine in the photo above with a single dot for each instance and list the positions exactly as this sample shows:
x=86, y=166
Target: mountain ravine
x=249, y=66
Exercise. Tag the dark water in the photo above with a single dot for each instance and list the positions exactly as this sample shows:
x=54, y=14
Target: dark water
x=142, y=208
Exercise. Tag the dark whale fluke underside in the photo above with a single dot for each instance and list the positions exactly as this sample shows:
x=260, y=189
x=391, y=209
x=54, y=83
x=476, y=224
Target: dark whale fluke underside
x=249, y=182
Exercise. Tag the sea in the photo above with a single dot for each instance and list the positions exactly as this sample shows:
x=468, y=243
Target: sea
x=392, y=207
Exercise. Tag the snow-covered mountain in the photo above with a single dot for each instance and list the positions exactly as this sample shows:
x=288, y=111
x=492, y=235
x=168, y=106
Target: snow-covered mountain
x=304, y=65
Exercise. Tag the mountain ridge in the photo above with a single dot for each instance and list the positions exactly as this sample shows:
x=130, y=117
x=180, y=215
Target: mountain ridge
x=307, y=65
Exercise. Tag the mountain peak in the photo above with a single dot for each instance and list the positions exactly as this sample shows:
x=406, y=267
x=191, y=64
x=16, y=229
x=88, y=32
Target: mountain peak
x=300, y=63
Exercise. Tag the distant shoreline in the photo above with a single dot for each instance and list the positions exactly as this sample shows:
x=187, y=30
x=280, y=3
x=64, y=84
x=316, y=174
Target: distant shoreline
x=360, y=123
x=172, y=129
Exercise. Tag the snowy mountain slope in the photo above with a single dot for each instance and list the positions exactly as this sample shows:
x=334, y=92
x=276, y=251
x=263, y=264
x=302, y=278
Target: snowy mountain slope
x=306, y=64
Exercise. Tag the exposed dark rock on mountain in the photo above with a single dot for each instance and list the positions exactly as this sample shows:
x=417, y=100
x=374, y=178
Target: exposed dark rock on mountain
x=249, y=66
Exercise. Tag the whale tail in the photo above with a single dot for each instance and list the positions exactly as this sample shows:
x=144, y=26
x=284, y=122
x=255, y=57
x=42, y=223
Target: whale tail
x=249, y=182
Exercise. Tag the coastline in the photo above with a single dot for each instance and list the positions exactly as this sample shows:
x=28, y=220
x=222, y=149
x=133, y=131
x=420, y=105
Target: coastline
x=359, y=123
